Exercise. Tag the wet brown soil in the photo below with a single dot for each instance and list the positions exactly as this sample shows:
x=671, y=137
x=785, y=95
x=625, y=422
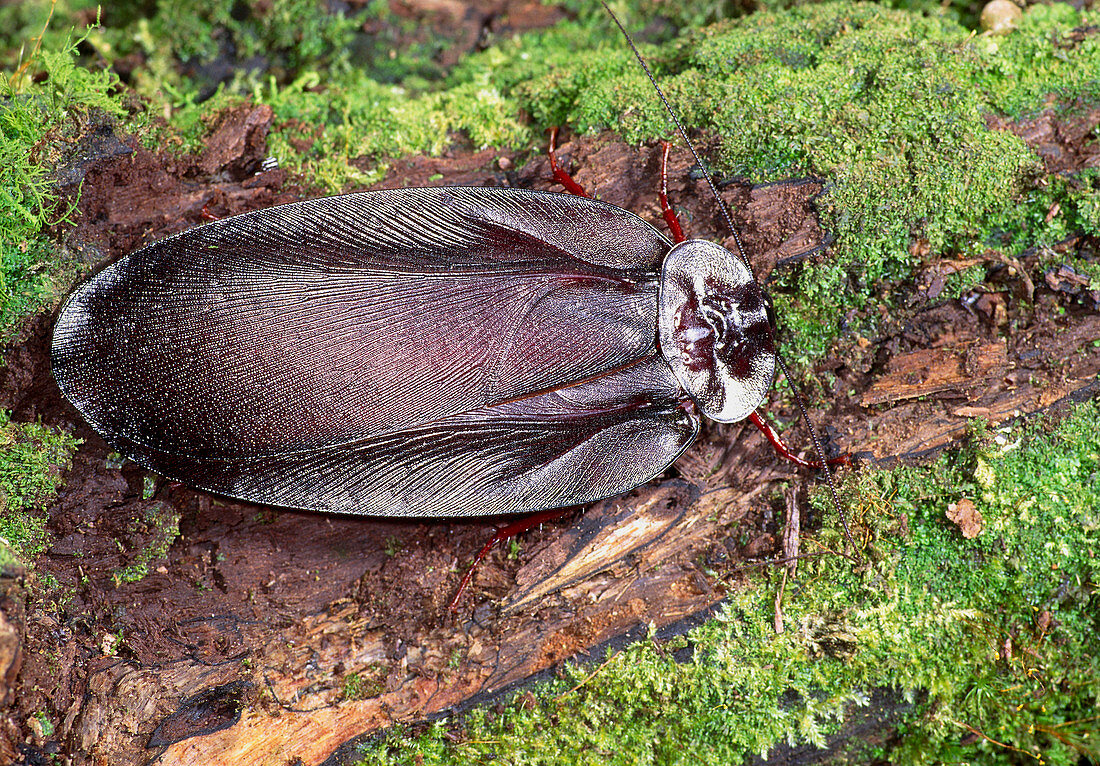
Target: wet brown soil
x=273, y=636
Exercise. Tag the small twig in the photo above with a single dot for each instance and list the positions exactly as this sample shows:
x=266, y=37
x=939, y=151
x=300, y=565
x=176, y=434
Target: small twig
x=587, y=678
x=995, y=742
x=779, y=603
x=826, y=549
x=1013, y=263
x=1064, y=740
x=792, y=531
x=792, y=528
x=34, y=52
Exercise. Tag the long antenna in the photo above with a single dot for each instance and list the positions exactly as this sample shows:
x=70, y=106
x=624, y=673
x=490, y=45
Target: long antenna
x=683, y=134
x=744, y=258
x=820, y=453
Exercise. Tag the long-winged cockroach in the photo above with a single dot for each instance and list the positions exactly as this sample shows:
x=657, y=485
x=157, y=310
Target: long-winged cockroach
x=419, y=352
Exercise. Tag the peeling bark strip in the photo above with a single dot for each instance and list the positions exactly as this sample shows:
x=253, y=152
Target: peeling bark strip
x=645, y=533
x=963, y=367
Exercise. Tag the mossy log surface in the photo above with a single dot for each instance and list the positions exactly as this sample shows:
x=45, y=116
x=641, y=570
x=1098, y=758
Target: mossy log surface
x=239, y=646
x=265, y=636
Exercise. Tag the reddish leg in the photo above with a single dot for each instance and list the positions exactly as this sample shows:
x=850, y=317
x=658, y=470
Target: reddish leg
x=782, y=449
x=206, y=214
x=562, y=177
x=670, y=215
x=502, y=534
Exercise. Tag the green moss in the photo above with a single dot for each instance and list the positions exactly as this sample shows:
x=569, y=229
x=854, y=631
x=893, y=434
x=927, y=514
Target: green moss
x=44, y=104
x=998, y=635
x=370, y=682
x=1051, y=59
x=213, y=40
x=354, y=116
x=45, y=725
x=159, y=525
x=32, y=459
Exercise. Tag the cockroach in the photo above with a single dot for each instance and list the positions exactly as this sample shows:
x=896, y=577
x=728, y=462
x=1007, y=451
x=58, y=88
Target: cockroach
x=419, y=352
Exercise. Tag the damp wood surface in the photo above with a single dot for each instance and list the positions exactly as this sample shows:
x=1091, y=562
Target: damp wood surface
x=240, y=646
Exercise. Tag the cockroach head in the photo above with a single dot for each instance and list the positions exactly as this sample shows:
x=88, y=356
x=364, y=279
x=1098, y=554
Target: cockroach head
x=715, y=331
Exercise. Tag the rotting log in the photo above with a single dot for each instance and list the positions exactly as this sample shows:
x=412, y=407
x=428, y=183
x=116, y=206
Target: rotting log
x=268, y=636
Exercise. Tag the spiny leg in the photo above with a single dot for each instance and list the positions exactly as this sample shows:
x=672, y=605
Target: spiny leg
x=560, y=175
x=666, y=209
x=784, y=450
x=502, y=534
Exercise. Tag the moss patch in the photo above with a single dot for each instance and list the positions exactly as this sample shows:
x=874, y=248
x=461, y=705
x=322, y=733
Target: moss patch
x=32, y=459
x=995, y=640
x=158, y=527
x=44, y=106
x=364, y=684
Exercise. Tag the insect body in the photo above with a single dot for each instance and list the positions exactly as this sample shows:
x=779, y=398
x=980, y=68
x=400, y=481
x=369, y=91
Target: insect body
x=416, y=352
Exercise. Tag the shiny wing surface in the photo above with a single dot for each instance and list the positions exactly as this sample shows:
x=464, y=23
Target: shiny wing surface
x=277, y=339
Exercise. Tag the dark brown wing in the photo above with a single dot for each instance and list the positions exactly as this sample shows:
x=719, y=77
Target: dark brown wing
x=367, y=353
